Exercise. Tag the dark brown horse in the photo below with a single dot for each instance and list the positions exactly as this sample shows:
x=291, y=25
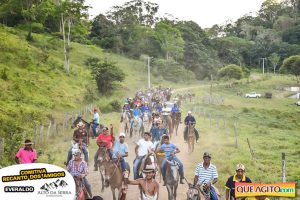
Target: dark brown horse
x=176, y=119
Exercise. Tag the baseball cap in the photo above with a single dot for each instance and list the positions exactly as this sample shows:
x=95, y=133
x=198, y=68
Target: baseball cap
x=189, y=112
x=206, y=154
x=122, y=134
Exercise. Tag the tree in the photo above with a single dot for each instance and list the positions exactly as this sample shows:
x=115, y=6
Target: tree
x=106, y=74
x=274, y=59
x=170, y=40
x=291, y=65
x=231, y=72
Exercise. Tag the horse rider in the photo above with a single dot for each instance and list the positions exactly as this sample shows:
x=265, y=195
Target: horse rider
x=142, y=148
x=146, y=108
x=190, y=119
x=238, y=177
x=207, y=174
x=26, y=154
x=137, y=113
x=126, y=108
x=96, y=122
x=175, y=108
x=104, y=140
x=170, y=150
x=157, y=132
x=120, y=151
x=78, y=168
x=149, y=186
x=81, y=137
x=158, y=107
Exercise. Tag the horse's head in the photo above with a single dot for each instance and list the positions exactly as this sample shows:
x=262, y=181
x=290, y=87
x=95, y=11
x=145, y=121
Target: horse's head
x=174, y=167
x=76, y=121
x=192, y=193
x=102, y=154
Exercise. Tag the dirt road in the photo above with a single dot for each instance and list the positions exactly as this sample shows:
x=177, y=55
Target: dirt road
x=133, y=192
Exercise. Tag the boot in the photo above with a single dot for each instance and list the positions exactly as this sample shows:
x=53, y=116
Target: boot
x=95, y=168
x=181, y=180
x=164, y=181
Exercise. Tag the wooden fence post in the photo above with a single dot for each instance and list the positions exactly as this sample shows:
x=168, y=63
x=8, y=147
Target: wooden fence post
x=283, y=168
x=235, y=134
x=210, y=120
x=49, y=129
x=41, y=133
x=35, y=135
x=250, y=148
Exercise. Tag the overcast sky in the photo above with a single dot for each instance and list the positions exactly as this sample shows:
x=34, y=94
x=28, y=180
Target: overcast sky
x=204, y=12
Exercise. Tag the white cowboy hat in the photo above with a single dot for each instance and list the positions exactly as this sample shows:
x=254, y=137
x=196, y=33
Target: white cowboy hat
x=189, y=112
x=80, y=124
x=149, y=168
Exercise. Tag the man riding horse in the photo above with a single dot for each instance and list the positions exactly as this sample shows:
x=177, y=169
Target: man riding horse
x=187, y=121
x=104, y=140
x=170, y=150
x=157, y=132
x=81, y=138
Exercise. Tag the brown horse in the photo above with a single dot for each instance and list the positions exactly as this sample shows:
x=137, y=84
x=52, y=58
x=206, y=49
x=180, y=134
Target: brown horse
x=81, y=192
x=167, y=122
x=114, y=176
x=199, y=192
x=176, y=118
x=191, y=137
x=103, y=158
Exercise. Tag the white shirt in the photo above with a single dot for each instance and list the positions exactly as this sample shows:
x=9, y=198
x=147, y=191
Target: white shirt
x=206, y=175
x=144, y=147
x=96, y=118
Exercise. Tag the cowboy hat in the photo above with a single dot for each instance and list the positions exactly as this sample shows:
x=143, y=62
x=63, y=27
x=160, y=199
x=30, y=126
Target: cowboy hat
x=122, y=134
x=28, y=142
x=80, y=124
x=149, y=168
x=206, y=154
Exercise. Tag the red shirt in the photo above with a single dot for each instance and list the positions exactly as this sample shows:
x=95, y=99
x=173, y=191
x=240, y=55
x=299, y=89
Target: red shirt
x=108, y=139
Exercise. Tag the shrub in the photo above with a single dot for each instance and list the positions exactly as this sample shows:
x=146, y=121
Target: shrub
x=268, y=95
x=116, y=105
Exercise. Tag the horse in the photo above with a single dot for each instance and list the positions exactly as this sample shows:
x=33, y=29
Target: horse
x=176, y=118
x=191, y=137
x=102, y=159
x=200, y=192
x=146, y=122
x=126, y=121
x=114, y=177
x=172, y=179
x=89, y=126
x=167, y=122
x=81, y=192
x=136, y=127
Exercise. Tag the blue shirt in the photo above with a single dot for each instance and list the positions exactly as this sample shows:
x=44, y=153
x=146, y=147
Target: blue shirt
x=159, y=109
x=145, y=108
x=119, y=149
x=157, y=133
x=189, y=119
x=168, y=149
x=175, y=109
x=137, y=113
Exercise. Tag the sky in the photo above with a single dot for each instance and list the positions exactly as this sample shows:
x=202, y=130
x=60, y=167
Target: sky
x=205, y=13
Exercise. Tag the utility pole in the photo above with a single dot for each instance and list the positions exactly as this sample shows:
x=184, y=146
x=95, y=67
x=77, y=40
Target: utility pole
x=263, y=59
x=149, y=85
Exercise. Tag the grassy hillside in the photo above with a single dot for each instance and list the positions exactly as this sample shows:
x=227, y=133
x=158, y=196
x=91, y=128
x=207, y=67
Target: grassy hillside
x=271, y=125
x=35, y=88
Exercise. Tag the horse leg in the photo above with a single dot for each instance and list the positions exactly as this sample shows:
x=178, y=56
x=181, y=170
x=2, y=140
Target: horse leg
x=113, y=193
x=169, y=192
x=175, y=191
x=193, y=144
x=102, y=180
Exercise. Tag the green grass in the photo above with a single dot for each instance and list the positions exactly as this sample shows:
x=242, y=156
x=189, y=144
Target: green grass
x=271, y=125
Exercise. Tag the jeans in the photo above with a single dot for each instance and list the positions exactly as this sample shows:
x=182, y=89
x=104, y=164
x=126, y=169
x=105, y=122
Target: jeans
x=213, y=194
x=85, y=152
x=122, y=163
x=95, y=129
x=96, y=156
x=136, y=164
x=87, y=186
x=164, y=166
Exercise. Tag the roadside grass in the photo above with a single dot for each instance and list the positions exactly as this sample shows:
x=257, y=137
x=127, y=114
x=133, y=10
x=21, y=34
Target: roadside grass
x=271, y=125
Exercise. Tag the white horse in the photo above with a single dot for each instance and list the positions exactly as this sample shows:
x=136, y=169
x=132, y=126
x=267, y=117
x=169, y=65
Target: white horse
x=146, y=121
x=136, y=127
x=126, y=121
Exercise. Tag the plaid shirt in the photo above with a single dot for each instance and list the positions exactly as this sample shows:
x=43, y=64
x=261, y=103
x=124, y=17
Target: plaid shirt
x=76, y=170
